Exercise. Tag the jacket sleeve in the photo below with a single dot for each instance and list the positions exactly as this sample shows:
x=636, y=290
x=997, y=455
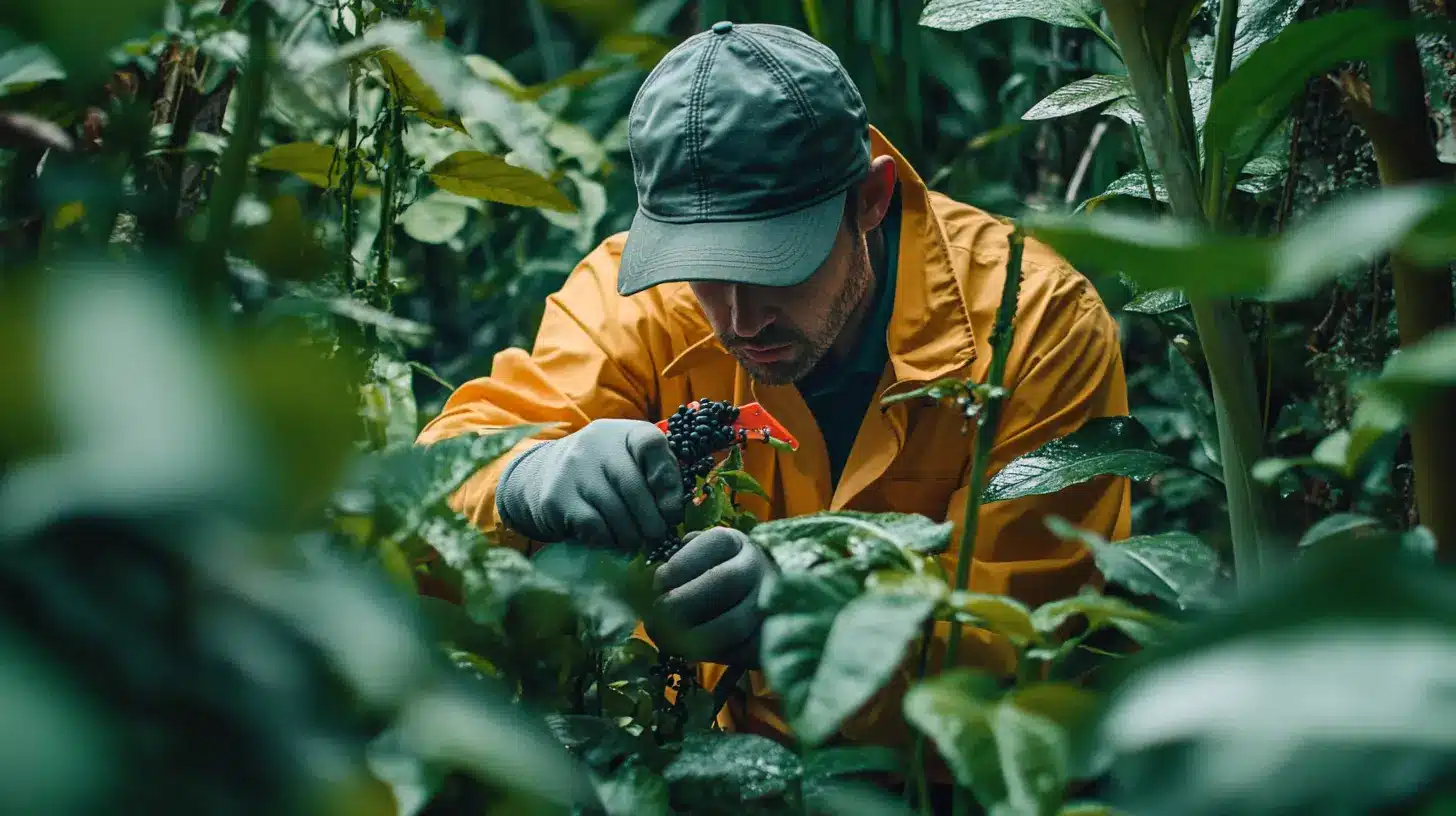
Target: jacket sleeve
x=592, y=358
x=1073, y=375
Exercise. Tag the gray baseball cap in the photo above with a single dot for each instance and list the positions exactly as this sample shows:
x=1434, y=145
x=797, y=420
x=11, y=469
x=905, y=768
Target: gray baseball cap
x=744, y=139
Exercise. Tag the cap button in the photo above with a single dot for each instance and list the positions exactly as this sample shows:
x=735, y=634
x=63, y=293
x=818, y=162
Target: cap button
x=722, y=27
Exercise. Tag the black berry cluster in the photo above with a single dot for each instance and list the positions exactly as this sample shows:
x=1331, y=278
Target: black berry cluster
x=661, y=551
x=695, y=434
x=671, y=670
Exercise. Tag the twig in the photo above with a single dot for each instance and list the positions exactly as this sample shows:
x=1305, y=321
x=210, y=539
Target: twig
x=1086, y=161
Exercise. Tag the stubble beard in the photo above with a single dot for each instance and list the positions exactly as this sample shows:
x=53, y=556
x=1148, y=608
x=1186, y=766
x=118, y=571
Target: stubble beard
x=809, y=350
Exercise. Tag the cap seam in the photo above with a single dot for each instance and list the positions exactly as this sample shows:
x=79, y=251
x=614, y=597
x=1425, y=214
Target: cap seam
x=782, y=74
x=695, y=119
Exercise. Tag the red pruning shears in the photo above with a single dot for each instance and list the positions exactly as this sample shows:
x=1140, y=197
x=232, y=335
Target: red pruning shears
x=756, y=423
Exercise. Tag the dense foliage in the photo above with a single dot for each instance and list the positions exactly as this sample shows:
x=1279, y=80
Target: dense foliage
x=248, y=246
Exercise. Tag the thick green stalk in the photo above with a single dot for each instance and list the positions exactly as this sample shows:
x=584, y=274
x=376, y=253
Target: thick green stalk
x=1397, y=126
x=1230, y=361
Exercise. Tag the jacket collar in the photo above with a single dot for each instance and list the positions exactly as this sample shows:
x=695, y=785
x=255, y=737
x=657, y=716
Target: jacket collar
x=930, y=332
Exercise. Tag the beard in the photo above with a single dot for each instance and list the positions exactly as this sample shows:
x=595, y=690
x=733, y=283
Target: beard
x=808, y=347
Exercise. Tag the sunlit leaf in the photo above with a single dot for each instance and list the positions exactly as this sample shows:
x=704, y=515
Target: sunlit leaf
x=1103, y=446
x=1001, y=614
x=318, y=164
x=435, y=219
x=481, y=175
x=959, y=15
x=1079, y=96
x=1175, y=567
x=25, y=67
x=1157, y=302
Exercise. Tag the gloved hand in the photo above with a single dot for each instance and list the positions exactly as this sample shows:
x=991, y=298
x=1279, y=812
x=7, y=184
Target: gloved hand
x=707, y=607
x=613, y=484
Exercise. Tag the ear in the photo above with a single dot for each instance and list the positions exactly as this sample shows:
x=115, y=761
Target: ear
x=875, y=192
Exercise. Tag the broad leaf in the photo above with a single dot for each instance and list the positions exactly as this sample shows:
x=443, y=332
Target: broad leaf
x=960, y=15
x=318, y=164
x=436, y=218
x=1133, y=183
x=829, y=660
x=1080, y=96
x=1197, y=401
x=1101, y=611
x=1417, y=372
x=741, y=482
x=481, y=175
x=845, y=760
x=716, y=772
x=25, y=67
x=1338, y=526
x=1258, y=94
x=1104, y=446
x=867, y=541
x=1175, y=567
x=632, y=790
x=1000, y=614
x=1012, y=757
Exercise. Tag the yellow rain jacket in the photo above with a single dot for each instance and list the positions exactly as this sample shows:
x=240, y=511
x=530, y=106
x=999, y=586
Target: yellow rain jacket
x=598, y=354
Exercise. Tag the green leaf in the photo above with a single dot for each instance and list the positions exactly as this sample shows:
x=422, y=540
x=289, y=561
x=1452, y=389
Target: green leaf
x=1158, y=301
x=867, y=541
x=1089, y=809
x=1197, y=401
x=741, y=482
x=1103, y=446
x=1101, y=611
x=634, y=789
x=433, y=219
x=481, y=175
x=998, y=613
x=1415, y=373
x=845, y=760
x=319, y=164
x=1257, y=96
x=717, y=772
x=960, y=15
x=1079, y=96
x=828, y=661
x=415, y=480
x=23, y=68
x=1175, y=567
x=700, y=515
x=1012, y=757
x=1337, y=527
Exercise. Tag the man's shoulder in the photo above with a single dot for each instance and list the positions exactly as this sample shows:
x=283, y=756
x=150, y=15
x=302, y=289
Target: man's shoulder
x=667, y=303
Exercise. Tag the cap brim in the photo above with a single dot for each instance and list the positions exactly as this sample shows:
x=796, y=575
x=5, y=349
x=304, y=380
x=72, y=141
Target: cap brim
x=780, y=251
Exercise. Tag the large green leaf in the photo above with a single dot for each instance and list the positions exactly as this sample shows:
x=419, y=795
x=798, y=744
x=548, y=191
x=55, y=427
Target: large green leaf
x=1197, y=401
x=1103, y=446
x=1258, y=94
x=959, y=15
x=1338, y=238
x=1012, y=757
x=1417, y=372
x=1175, y=567
x=1158, y=301
x=317, y=164
x=1079, y=96
x=1001, y=614
x=827, y=655
x=25, y=67
x=634, y=790
x=716, y=772
x=860, y=541
x=481, y=175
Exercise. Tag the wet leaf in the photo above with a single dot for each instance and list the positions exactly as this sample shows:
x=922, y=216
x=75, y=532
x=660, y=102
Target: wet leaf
x=717, y=772
x=1079, y=96
x=1103, y=446
x=960, y=15
x=1101, y=611
x=1415, y=373
x=1175, y=567
x=481, y=175
x=872, y=540
x=1158, y=301
x=632, y=790
x=1197, y=401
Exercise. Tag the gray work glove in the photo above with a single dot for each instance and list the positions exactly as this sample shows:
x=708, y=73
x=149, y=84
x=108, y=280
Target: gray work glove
x=707, y=607
x=613, y=484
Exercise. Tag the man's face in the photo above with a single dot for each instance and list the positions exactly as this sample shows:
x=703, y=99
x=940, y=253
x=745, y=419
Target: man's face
x=778, y=334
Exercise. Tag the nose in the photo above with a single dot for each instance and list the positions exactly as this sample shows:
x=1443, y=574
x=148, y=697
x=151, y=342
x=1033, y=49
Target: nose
x=747, y=310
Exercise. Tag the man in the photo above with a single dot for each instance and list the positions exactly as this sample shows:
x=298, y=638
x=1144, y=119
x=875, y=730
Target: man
x=784, y=252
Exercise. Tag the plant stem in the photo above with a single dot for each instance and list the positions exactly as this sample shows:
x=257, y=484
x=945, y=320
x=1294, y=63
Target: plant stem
x=1142, y=155
x=1001, y=336
x=233, y=170
x=1230, y=361
x=393, y=144
x=1223, y=60
x=1398, y=127
x=351, y=175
